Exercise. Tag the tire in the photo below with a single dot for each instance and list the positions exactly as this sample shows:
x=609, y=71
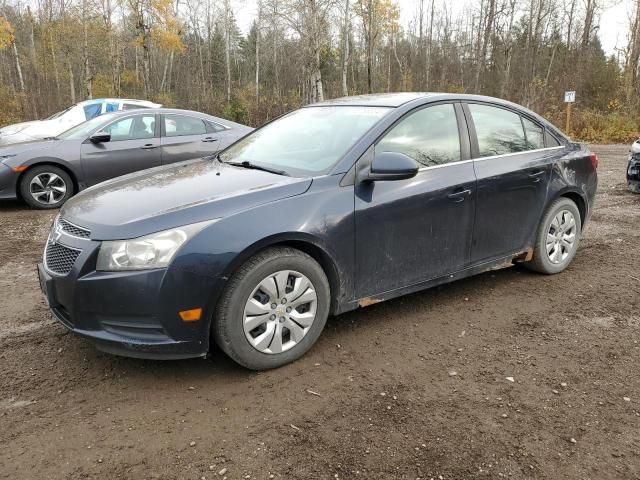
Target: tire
x=46, y=187
x=542, y=261
x=254, y=291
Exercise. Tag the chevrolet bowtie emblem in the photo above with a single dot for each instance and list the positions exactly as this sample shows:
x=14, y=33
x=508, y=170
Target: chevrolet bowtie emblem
x=55, y=235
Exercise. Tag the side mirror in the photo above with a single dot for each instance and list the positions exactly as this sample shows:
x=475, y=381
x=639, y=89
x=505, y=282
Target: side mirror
x=100, y=137
x=392, y=166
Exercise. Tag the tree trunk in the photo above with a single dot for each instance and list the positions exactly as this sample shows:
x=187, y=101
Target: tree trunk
x=345, y=49
x=88, y=78
x=633, y=57
x=72, y=86
x=485, y=43
x=18, y=67
x=227, y=46
x=428, y=50
x=258, y=25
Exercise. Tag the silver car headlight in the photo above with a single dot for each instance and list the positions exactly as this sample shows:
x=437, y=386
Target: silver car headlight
x=151, y=251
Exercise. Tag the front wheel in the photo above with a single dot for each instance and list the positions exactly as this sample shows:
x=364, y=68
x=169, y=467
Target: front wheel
x=46, y=186
x=273, y=309
x=558, y=237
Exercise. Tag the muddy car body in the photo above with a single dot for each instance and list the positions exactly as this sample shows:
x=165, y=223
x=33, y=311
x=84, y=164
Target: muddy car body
x=273, y=240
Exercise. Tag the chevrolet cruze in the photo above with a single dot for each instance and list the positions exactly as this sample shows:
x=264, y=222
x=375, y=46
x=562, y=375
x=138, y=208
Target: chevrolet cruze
x=332, y=207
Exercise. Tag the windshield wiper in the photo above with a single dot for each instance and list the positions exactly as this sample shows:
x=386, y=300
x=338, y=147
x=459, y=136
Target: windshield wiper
x=51, y=138
x=253, y=166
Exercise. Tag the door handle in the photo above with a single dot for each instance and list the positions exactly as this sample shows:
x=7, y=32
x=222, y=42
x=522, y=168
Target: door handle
x=149, y=146
x=536, y=175
x=459, y=195
x=209, y=139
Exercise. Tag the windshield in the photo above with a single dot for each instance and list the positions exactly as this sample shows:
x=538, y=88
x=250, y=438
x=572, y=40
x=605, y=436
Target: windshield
x=81, y=131
x=309, y=141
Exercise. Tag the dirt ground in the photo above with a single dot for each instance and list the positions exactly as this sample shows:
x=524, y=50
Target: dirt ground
x=417, y=387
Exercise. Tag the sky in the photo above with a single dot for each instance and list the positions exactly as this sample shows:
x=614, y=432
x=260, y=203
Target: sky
x=614, y=20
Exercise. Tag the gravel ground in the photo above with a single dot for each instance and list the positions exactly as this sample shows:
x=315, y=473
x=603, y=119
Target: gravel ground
x=507, y=374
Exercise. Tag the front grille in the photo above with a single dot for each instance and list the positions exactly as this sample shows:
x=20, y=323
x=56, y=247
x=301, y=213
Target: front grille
x=59, y=259
x=74, y=230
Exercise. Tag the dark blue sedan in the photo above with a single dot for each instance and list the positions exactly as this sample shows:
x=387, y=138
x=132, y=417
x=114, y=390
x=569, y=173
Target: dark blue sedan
x=332, y=207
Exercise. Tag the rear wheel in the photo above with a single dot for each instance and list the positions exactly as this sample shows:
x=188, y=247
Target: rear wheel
x=273, y=309
x=46, y=186
x=558, y=237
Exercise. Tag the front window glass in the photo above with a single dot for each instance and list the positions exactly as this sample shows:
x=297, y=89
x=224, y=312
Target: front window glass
x=82, y=131
x=308, y=141
x=499, y=131
x=429, y=136
x=132, y=128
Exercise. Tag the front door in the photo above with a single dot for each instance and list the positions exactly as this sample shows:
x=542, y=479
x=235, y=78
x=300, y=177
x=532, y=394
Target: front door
x=513, y=168
x=134, y=146
x=410, y=231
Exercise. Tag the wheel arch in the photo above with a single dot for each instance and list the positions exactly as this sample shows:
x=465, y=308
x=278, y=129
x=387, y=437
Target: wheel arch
x=53, y=163
x=577, y=198
x=300, y=241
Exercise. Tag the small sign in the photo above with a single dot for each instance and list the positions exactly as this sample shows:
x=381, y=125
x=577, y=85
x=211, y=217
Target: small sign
x=570, y=97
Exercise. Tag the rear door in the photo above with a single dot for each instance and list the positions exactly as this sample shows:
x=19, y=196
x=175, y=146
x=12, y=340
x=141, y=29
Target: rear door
x=513, y=168
x=134, y=145
x=185, y=137
x=410, y=231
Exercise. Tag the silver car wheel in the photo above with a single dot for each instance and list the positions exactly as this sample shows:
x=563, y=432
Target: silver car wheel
x=561, y=237
x=280, y=312
x=47, y=188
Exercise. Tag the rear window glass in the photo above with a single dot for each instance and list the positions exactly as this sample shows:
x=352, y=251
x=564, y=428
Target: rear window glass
x=92, y=110
x=499, y=131
x=177, y=125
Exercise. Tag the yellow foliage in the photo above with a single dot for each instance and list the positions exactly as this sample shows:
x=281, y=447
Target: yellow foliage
x=6, y=33
x=384, y=15
x=167, y=40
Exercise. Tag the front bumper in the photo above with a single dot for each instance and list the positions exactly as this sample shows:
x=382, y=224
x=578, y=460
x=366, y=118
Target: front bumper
x=133, y=314
x=8, y=182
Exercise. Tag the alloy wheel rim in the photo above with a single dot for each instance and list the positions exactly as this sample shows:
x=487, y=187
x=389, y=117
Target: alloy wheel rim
x=280, y=312
x=561, y=237
x=47, y=188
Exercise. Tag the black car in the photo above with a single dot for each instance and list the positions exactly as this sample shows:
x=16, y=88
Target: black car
x=633, y=168
x=46, y=173
x=332, y=207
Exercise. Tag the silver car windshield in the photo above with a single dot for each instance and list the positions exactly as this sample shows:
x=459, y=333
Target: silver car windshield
x=308, y=141
x=82, y=131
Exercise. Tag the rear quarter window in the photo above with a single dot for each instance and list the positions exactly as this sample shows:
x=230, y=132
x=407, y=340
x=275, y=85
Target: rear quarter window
x=534, y=134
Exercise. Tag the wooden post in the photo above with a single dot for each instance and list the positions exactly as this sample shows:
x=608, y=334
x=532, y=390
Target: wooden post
x=569, y=98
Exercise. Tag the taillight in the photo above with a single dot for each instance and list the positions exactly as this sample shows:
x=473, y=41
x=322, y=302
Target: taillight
x=594, y=160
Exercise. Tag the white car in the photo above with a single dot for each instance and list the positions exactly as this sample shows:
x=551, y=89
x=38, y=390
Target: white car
x=70, y=117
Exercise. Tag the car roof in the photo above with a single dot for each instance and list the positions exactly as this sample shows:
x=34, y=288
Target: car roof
x=394, y=100
x=412, y=99
x=375, y=99
x=177, y=111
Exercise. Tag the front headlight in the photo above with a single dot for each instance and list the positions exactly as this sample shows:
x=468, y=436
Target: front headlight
x=151, y=251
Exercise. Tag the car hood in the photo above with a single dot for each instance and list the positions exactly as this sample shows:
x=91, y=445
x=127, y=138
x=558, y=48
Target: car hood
x=170, y=196
x=31, y=146
x=34, y=128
